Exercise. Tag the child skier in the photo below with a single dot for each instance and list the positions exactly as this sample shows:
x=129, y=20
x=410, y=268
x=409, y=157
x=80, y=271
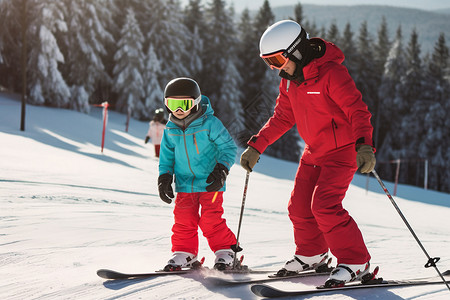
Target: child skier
x=199, y=151
x=156, y=129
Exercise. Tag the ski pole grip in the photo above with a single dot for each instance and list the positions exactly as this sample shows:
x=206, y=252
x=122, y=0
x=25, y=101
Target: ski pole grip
x=432, y=262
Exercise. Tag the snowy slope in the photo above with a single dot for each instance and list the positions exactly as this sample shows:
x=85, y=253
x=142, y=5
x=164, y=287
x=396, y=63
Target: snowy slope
x=67, y=210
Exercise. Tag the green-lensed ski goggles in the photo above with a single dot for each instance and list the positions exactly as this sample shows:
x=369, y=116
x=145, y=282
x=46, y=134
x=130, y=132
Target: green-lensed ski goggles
x=185, y=104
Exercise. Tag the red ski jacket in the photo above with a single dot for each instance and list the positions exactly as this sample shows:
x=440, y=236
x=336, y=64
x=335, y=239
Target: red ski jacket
x=327, y=109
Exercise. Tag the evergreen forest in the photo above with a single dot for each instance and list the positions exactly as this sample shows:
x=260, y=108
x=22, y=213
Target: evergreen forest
x=80, y=53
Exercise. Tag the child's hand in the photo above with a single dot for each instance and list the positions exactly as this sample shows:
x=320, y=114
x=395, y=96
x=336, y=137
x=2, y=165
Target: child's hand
x=217, y=177
x=165, y=188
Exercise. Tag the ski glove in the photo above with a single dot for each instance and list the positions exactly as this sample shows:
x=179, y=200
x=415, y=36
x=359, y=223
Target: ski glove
x=249, y=158
x=217, y=178
x=146, y=139
x=165, y=188
x=365, y=159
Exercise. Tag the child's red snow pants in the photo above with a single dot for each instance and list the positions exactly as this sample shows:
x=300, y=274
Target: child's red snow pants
x=210, y=221
x=315, y=208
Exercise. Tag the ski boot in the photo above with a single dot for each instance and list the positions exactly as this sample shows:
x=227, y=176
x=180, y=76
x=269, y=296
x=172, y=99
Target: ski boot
x=301, y=263
x=182, y=260
x=344, y=273
x=224, y=260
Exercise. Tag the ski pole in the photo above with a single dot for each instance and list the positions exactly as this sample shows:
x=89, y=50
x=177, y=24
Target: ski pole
x=236, y=247
x=431, y=261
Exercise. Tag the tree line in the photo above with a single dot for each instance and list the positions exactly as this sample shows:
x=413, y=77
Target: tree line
x=85, y=52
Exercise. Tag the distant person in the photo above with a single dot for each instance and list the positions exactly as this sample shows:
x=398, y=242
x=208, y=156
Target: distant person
x=156, y=129
x=198, y=150
x=317, y=94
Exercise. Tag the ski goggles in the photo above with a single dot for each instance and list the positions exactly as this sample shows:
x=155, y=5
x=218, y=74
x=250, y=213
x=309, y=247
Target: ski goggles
x=276, y=60
x=185, y=104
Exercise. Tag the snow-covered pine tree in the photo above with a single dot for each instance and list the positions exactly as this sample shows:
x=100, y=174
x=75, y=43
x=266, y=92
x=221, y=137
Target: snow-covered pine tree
x=223, y=89
x=253, y=69
x=219, y=38
x=231, y=113
x=194, y=21
x=348, y=48
x=45, y=81
x=435, y=144
x=129, y=61
x=381, y=51
x=169, y=37
x=408, y=136
x=153, y=88
x=388, y=94
x=364, y=77
x=84, y=47
x=11, y=12
x=247, y=53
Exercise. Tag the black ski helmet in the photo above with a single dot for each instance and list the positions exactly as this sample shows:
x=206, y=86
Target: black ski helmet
x=183, y=86
x=159, y=115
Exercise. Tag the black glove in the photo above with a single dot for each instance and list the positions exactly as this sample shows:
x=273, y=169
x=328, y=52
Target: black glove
x=165, y=188
x=217, y=177
x=146, y=139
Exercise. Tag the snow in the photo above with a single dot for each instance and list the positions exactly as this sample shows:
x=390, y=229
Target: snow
x=68, y=210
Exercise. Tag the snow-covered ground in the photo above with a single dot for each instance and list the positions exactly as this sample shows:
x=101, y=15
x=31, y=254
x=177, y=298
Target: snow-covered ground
x=66, y=210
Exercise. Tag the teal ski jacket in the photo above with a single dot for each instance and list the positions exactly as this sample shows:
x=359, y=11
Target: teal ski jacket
x=192, y=153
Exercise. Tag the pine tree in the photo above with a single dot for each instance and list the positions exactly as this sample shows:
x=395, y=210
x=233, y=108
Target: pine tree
x=410, y=110
x=253, y=69
x=348, y=48
x=381, y=50
x=169, y=37
x=231, y=113
x=84, y=47
x=333, y=34
x=220, y=42
x=154, y=93
x=364, y=76
x=195, y=23
x=389, y=95
x=129, y=61
x=46, y=83
x=10, y=43
x=435, y=144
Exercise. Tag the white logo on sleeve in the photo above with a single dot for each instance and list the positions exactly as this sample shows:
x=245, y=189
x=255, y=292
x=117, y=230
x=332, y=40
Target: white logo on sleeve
x=313, y=93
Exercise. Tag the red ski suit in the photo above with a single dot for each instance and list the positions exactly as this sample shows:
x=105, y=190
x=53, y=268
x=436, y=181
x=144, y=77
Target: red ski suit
x=330, y=117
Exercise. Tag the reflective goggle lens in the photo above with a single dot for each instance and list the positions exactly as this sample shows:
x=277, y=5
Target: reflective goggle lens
x=276, y=60
x=184, y=104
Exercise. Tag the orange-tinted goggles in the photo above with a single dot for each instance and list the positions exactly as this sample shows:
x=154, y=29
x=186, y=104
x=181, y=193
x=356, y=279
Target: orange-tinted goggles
x=275, y=60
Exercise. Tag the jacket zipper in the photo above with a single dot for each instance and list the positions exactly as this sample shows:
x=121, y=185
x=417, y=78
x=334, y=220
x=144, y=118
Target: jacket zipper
x=189, y=161
x=195, y=143
x=334, y=126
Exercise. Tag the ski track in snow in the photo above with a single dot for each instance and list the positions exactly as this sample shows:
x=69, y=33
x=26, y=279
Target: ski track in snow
x=67, y=210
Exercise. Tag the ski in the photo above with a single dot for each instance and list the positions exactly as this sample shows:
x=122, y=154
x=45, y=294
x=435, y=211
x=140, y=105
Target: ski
x=267, y=291
x=114, y=275
x=256, y=276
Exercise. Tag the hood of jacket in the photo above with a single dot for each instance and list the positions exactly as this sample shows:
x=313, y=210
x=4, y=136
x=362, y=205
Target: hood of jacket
x=332, y=54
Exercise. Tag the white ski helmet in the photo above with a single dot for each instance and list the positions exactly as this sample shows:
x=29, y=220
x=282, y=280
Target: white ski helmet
x=287, y=36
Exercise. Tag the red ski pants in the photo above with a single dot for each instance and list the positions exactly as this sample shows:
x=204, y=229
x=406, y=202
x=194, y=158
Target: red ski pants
x=210, y=221
x=315, y=209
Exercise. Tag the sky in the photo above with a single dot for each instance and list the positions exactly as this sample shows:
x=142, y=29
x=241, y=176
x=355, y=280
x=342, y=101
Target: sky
x=68, y=210
x=239, y=5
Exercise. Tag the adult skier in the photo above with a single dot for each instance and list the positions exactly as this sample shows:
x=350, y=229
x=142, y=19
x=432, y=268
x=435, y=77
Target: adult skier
x=317, y=94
